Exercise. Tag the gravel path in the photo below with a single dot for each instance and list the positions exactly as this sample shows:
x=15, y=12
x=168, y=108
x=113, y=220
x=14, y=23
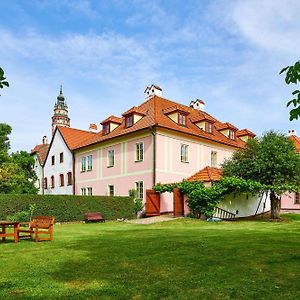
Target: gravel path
x=152, y=220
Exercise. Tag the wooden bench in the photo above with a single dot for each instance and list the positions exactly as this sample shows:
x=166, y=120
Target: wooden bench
x=41, y=225
x=93, y=217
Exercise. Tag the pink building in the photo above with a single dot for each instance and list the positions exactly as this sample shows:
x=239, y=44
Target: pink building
x=157, y=141
x=291, y=201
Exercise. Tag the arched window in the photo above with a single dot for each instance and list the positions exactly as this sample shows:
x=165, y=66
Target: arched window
x=45, y=183
x=61, y=180
x=69, y=178
x=52, y=182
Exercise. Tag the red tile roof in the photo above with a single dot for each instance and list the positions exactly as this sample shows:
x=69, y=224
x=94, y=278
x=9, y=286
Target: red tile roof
x=296, y=140
x=245, y=132
x=41, y=152
x=203, y=117
x=73, y=137
x=174, y=108
x=134, y=109
x=112, y=119
x=226, y=125
x=153, y=110
x=207, y=174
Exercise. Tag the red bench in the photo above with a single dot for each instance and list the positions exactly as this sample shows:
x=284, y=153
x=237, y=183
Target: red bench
x=93, y=217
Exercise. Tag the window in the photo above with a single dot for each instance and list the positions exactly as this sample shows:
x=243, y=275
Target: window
x=139, y=151
x=61, y=180
x=214, y=159
x=231, y=134
x=52, y=160
x=139, y=186
x=69, y=178
x=52, y=182
x=297, y=198
x=184, y=153
x=110, y=158
x=83, y=164
x=106, y=128
x=129, y=121
x=182, y=119
x=90, y=191
x=111, y=190
x=61, y=157
x=208, y=127
x=89, y=162
x=45, y=183
x=83, y=191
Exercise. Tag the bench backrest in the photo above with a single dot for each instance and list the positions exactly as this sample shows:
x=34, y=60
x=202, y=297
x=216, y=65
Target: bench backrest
x=43, y=221
x=93, y=216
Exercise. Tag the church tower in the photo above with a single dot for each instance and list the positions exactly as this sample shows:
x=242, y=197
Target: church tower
x=60, y=116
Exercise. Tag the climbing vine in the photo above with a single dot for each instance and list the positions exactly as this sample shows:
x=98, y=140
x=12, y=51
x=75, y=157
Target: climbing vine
x=203, y=200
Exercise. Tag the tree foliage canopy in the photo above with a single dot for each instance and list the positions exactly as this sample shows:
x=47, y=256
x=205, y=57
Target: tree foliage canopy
x=293, y=76
x=17, y=175
x=3, y=81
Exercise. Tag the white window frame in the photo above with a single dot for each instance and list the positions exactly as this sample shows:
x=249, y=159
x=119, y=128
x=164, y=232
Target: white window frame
x=231, y=134
x=140, y=194
x=83, y=164
x=108, y=190
x=89, y=191
x=89, y=160
x=184, y=153
x=111, y=158
x=83, y=191
x=214, y=159
x=139, y=151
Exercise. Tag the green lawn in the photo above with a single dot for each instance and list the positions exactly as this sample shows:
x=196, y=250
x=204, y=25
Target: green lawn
x=181, y=259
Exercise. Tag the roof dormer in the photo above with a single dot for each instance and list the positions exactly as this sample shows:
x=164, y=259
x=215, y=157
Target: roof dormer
x=153, y=90
x=132, y=116
x=245, y=134
x=228, y=130
x=204, y=122
x=177, y=113
x=110, y=124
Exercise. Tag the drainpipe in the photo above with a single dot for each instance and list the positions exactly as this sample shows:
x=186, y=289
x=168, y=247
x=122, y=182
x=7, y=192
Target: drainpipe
x=73, y=168
x=153, y=132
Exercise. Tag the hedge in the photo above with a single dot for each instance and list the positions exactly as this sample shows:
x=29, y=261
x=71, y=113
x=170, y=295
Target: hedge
x=67, y=208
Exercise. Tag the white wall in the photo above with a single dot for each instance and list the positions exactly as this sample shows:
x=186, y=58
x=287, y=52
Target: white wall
x=58, y=145
x=246, y=206
x=39, y=173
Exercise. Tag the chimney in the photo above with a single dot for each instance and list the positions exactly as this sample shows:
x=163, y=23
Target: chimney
x=153, y=90
x=292, y=132
x=198, y=104
x=45, y=140
x=93, y=128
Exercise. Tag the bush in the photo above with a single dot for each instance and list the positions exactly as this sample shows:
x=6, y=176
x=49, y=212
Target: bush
x=67, y=208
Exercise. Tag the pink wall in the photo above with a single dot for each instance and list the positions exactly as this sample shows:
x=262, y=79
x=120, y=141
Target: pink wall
x=288, y=201
x=87, y=174
x=116, y=169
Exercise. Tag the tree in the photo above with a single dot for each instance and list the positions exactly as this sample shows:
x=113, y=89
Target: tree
x=3, y=82
x=5, y=131
x=17, y=175
x=293, y=76
x=271, y=161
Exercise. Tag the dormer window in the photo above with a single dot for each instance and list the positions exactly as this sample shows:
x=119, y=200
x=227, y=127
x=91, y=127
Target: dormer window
x=129, y=121
x=231, y=134
x=208, y=127
x=106, y=128
x=181, y=119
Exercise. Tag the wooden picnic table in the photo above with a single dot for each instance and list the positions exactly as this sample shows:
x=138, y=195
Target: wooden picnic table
x=4, y=234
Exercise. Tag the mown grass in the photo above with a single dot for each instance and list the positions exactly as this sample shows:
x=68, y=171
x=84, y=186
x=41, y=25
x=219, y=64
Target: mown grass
x=182, y=259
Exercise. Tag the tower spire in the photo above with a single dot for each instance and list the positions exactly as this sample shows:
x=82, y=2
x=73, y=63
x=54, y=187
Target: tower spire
x=60, y=115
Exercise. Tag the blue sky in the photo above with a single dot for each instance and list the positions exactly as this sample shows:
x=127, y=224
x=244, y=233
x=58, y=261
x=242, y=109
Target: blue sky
x=228, y=53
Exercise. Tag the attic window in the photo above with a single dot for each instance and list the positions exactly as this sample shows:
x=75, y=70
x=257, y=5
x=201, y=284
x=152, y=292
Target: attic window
x=231, y=134
x=181, y=119
x=129, y=121
x=106, y=128
x=208, y=127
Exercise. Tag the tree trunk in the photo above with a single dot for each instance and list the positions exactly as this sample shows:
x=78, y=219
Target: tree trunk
x=275, y=205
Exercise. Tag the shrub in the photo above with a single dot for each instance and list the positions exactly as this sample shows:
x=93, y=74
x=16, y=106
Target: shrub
x=67, y=208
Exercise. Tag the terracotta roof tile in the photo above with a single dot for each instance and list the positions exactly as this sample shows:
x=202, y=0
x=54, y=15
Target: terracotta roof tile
x=41, y=152
x=174, y=108
x=112, y=119
x=226, y=125
x=153, y=110
x=207, y=174
x=203, y=117
x=244, y=132
x=73, y=137
x=134, y=109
